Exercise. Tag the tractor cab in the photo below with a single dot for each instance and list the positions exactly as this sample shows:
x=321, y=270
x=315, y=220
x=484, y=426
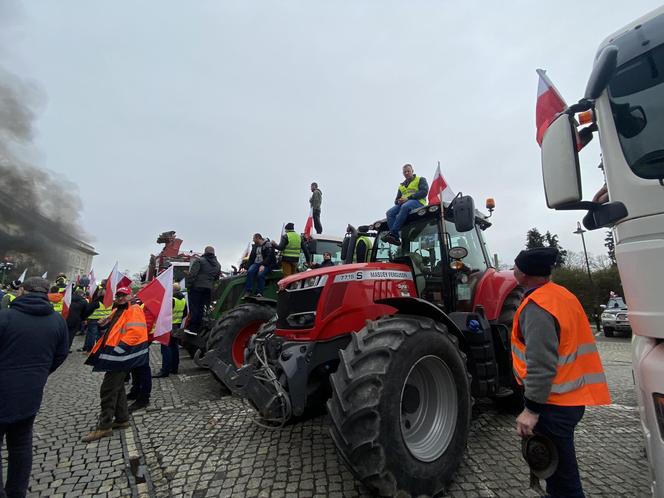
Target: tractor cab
x=447, y=260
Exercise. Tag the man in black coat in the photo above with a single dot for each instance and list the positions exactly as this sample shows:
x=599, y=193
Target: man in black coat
x=33, y=343
x=261, y=262
x=203, y=275
x=79, y=310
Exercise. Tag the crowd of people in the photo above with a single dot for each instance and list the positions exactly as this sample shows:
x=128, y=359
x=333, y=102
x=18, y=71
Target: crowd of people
x=552, y=344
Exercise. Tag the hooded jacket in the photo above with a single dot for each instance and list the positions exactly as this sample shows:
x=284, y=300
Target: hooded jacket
x=79, y=310
x=34, y=341
x=204, y=272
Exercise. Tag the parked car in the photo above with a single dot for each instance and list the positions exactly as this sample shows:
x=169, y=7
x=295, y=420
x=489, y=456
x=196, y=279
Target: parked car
x=614, y=317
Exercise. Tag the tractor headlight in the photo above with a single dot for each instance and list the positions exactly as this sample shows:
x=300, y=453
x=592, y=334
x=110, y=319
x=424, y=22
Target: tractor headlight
x=302, y=320
x=308, y=283
x=295, y=285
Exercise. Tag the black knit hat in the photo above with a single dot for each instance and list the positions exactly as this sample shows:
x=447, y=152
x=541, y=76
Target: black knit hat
x=290, y=226
x=36, y=284
x=537, y=262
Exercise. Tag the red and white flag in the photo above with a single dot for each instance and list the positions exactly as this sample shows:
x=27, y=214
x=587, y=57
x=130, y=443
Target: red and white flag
x=308, y=226
x=439, y=188
x=157, y=298
x=92, y=286
x=549, y=105
x=66, y=301
x=111, y=286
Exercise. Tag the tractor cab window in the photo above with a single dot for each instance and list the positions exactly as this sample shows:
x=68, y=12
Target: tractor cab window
x=421, y=241
x=475, y=261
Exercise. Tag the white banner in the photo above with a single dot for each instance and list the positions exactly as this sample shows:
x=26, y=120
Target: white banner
x=374, y=275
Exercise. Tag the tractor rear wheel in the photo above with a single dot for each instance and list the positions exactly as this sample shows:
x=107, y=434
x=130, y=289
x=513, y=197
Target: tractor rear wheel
x=400, y=406
x=230, y=335
x=512, y=403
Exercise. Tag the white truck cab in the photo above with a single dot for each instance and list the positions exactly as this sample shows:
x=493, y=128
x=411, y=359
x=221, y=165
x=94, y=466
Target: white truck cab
x=625, y=95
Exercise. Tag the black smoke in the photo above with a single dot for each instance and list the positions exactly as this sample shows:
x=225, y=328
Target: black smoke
x=39, y=209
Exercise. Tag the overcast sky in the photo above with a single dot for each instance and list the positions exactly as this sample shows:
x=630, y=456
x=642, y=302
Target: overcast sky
x=211, y=118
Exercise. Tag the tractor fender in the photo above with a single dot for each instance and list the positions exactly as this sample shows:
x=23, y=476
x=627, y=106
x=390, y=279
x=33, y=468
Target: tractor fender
x=420, y=307
x=492, y=290
x=263, y=301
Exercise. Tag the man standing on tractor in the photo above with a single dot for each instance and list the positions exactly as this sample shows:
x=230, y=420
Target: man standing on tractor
x=555, y=359
x=203, y=275
x=315, y=202
x=261, y=261
x=411, y=194
x=291, y=245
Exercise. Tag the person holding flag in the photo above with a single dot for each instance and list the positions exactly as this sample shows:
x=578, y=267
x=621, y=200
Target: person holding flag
x=411, y=194
x=123, y=346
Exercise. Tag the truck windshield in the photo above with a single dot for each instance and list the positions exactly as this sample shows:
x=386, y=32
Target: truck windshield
x=322, y=246
x=636, y=93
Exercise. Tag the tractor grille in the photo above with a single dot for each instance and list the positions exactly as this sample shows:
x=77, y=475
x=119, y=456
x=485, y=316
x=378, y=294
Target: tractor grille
x=292, y=303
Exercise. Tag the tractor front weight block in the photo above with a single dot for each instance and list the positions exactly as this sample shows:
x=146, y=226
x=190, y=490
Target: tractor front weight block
x=255, y=385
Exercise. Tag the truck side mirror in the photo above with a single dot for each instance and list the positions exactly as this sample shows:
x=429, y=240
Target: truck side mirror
x=463, y=208
x=348, y=245
x=560, y=163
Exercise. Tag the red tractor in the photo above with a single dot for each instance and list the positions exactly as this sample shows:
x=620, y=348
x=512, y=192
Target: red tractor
x=396, y=349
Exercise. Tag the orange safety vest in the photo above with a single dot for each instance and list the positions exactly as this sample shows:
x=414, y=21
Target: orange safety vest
x=580, y=378
x=56, y=300
x=125, y=345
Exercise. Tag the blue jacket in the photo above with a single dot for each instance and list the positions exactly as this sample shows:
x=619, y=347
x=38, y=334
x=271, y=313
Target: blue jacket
x=34, y=341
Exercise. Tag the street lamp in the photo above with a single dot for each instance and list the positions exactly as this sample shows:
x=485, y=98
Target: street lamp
x=580, y=231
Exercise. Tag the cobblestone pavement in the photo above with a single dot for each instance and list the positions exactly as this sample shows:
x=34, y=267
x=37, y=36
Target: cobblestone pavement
x=193, y=442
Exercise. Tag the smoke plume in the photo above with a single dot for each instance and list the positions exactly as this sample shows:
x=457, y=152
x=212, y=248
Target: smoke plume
x=39, y=210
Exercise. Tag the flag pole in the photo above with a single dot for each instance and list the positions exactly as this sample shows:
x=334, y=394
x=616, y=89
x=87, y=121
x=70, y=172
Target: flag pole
x=443, y=230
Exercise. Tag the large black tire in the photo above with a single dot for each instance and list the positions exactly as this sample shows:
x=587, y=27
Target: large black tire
x=514, y=402
x=372, y=405
x=230, y=334
x=608, y=332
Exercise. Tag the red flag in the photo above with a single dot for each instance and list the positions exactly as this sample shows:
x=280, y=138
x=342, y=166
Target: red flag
x=157, y=298
x=549, y=105
x=439, y=188
x=66, y=301
x=308, y=226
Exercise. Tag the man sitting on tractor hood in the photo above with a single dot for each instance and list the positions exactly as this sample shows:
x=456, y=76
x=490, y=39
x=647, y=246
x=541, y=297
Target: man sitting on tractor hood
x=411, y=194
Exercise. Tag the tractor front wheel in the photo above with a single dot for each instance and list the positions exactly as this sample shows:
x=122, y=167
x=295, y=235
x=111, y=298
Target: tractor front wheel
x=230, y=335
x=400, y=406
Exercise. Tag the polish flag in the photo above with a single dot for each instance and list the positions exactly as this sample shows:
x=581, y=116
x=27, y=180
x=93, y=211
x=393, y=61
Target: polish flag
x=549, y=105
x=439, y=188
x=157, y=298
x=111, y=285
x=308, y=226
x=93, y=283
x=22, y=277
x=66, y=301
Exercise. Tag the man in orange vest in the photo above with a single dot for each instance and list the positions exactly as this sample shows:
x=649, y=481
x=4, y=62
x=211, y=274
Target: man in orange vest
x=123, y=346
x=556, y=361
